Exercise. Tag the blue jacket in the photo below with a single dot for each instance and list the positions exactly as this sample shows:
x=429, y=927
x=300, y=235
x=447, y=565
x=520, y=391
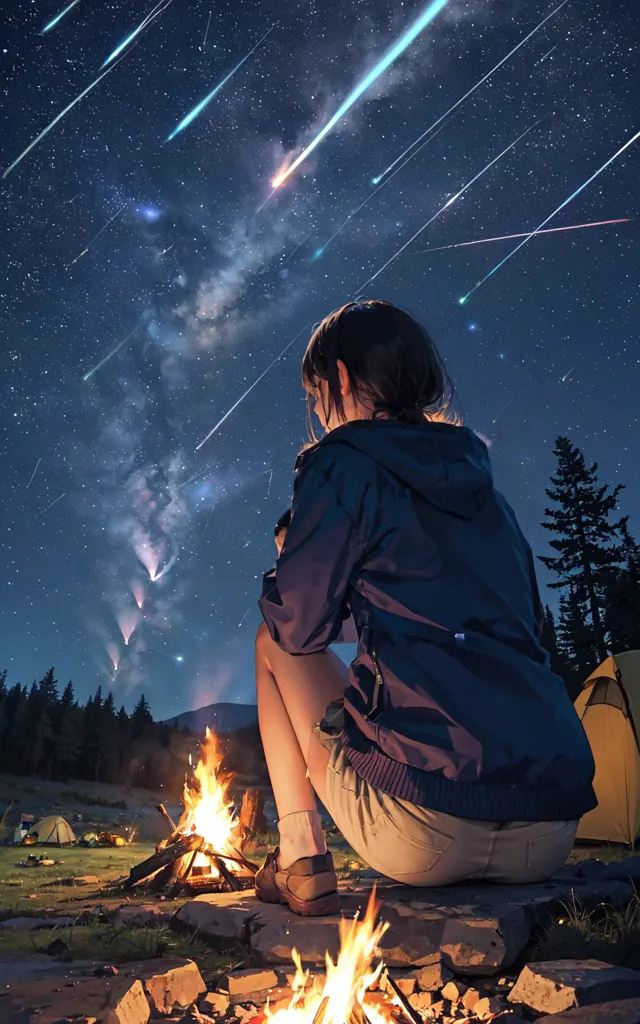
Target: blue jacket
x=452, y=703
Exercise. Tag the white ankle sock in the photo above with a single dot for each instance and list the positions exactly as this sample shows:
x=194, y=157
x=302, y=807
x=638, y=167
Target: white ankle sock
x=301, y=835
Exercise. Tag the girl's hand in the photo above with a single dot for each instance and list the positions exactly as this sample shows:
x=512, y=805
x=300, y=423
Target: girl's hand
x=281, y=536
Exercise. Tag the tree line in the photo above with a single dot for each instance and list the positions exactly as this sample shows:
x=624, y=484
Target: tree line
x=47, y=733
x=596, y=564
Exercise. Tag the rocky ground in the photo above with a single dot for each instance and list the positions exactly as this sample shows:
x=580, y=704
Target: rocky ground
x=460, y=953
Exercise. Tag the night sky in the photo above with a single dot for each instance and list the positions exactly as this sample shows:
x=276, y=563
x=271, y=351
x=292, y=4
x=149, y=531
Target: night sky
x=101, y=476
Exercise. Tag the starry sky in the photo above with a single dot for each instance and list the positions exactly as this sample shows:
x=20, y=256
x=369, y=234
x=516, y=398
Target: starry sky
x=148, y=283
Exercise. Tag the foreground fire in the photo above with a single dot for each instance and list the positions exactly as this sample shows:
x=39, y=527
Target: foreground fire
x=346, y=997
x=208, y=811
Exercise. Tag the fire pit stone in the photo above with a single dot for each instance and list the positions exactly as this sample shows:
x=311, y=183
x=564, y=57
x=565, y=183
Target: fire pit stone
x=246, y=982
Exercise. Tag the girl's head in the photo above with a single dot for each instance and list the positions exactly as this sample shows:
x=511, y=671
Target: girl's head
x=371, y=360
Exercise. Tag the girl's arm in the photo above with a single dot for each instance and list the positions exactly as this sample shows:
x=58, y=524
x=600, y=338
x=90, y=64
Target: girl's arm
x=304, y=599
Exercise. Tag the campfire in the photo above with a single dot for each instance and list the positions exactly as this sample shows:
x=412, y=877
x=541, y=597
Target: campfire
x=354, y=991
x=203, y=852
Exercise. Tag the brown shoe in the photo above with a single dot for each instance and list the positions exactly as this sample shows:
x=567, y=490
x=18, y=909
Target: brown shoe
x=309, y=886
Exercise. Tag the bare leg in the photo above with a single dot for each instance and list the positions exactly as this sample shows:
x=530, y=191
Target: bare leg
x=293, y=693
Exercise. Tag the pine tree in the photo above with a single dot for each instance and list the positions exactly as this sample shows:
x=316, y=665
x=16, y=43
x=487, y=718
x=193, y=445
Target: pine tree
x=588, y=545
x=576, y=642
x=141, y=718
x=622, y=598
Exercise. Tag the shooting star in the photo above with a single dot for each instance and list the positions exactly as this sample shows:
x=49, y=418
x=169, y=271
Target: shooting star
x=562, y=379
x=268, y=488
x=59, y=117
x=401, y=45
x=186, y=121
x=103, y=228
x=111, y=354
x=465, y=298
x=250, y=389
x=244, y=616
x=416, y=142
x=204, y=41
x=159, y=9
x=547, y=54
x=33, y=474
x=59, y=498
x=54, y=21
x=525, y=234
x=451, y=201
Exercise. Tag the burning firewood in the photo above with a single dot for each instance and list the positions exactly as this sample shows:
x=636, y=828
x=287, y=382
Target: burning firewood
x=200, y=852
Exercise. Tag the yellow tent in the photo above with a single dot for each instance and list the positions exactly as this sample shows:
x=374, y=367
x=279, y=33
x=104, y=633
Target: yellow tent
x=609, y=708
x=53, y=831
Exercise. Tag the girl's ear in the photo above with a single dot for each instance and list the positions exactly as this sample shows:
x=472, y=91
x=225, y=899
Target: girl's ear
x=343, y=376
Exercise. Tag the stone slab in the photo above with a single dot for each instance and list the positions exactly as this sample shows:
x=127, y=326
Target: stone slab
x=556, y=985
x=476, y=928
x=144, y=915
x=47, y=1001
x=621, y=1011
x=623, y=870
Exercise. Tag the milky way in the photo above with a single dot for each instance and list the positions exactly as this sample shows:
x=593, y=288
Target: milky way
x=155, y=292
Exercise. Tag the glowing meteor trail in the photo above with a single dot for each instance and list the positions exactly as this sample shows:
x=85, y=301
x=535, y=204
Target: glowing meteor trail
x=403, y=42
x=250, y=389
x=59, y=117
x=159, y=8
x=112, y=353
x=435, y=124
x=103, y=228
x=186, y=121
x=525, y=234
x=451, y=201
x=465, y=298
x=54, y=21
x=562, y=379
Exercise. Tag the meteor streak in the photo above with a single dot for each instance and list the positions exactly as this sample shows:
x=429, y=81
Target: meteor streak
x=451, y=201
x=59, y=498
x=525, y=234
x=435, y=124
x=250, y=389
x=403, y=42
x=52, y=124
x=159, y=8
x=186, y=121
x=112, y=353
x=562, y=379
x=33, y=474
x=634, y=138
x=103, y=228
x=54, y=21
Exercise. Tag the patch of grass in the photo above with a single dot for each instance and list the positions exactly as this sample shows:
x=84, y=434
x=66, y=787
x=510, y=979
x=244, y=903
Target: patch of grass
x=81, y=797
x=95, y=941
x=606, y=933
x=28, y=890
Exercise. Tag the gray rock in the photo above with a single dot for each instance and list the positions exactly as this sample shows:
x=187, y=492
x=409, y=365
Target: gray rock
x=485, y=945
x=34, y=924
x=624, y=870
x=558, y=985
x=589, y=868
x=145, y=915
x=168, y=982
x=218, y=915
x=622, y=1011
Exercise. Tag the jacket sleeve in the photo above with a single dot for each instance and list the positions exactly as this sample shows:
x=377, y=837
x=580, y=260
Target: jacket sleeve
x=304, y=599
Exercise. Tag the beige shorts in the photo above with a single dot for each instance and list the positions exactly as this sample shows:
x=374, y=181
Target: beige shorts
x=422, y=847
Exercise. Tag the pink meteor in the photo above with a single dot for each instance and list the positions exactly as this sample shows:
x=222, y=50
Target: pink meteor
x=524, y=234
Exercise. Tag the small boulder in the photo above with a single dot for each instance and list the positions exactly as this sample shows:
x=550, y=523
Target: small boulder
x=470, y=998
x=241, y=985
x=558, y=985
x=214, y=1002
x=487, y=1007
x=167, y=982
x=621, y=1011
x=433, y=977
x=475, y=945
x=453, y=991
x=623, y=870
x=421, y=1001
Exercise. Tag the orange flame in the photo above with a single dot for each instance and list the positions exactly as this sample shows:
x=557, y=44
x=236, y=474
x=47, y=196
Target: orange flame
x=207, y=808
x=348, y=980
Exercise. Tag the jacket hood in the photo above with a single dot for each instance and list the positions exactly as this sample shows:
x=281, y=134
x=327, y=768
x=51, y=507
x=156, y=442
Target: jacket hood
x=446, y=465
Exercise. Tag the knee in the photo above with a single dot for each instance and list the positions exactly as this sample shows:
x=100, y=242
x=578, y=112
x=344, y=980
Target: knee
x=263, y=638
